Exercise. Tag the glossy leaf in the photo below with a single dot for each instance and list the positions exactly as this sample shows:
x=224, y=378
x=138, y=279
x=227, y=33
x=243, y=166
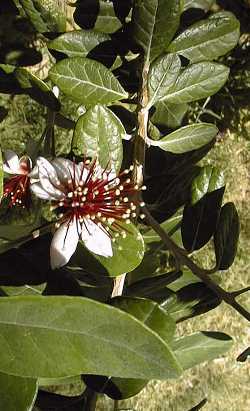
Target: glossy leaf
x=201, y=346
x=208, y=180
x=200, y=80
x=17, y=393
x=187, y=138
x=147, y=286
x=189, y=301
x=99, y=15
x=208, y=39
x=198, y=4
x=169, y=226
x=149, y=313
x=200, y=220
x=44, y=15
x=99, y=133
x=86, y=81
x=154, y=25
x=162, y=76
x=78, y=43
x=226, y=236
x=128, y=252
x=54, y=324
x=184, y=280
x=169, y=115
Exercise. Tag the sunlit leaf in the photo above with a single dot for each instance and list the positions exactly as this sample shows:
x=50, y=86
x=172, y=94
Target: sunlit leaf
x=98, y=133
x=169, y=115
x=201, y=346
x=208, y=180
x=197, y=81
x=127, y=252
x=86, y=81
x=102, y=340
x=154, y=25
x=162, y=76
x=78, y=43
x=187, y=138
x=208, y=39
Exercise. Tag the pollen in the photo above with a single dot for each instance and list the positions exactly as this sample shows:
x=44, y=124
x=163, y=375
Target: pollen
x=95, y=194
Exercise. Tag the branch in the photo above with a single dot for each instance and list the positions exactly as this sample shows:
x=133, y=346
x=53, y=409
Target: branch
x=139, y=154
x=179, y=253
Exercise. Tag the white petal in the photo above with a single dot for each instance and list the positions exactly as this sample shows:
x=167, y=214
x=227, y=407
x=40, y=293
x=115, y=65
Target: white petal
x=34, y=173
x=11, y=164
x=64, y=243
x=48, y=178
x=37, y=189
x=82, y=171
x=95, y=239
x=63, y=168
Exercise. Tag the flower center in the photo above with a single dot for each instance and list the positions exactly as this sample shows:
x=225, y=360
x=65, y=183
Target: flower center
x=98, y=196
x=18, y=189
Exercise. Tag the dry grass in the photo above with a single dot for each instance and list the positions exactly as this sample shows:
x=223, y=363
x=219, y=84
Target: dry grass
x=224, y=381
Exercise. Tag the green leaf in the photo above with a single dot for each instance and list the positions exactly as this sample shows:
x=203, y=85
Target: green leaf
x=99, y=133
x=147, y=286
x=37, y=332
x=208, y=180
x=200, y=220
x=226, y=236
x=187, y=278
x=187, y=138
x=17, y=393
x=76, y=380
x=208, y=39
x=201, y=346
x=78, y=43
x=44, y=15
x=37, y=89
x=1, y=175
x=154, y=317
x=149, y=313
x=154, y=25
x=86, y=81
x=200, y=80
x=168, y=225
x=198, y=4
x=128, y=252
x=169, y=115
x=162, y=76
x=99, y=15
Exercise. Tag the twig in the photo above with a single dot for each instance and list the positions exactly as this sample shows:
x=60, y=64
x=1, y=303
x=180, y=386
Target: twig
x=179, y=253
x=118, y=285
x=139, y=155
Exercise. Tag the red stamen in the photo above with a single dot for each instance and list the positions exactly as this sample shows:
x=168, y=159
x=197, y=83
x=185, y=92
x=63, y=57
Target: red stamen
x=107, y=202
x=17, y=188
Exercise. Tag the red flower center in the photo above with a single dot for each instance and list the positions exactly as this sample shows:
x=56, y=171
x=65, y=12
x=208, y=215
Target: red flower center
x=106, y=201
x=18, y=189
